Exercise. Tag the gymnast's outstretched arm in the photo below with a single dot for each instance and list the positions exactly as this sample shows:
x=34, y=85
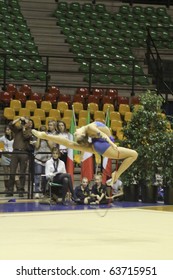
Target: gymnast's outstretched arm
x=62, y=141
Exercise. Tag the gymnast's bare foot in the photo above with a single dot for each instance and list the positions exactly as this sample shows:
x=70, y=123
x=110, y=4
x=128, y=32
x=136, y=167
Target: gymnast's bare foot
x=39, y=134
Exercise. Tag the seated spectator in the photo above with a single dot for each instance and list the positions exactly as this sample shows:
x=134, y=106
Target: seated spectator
x=55, y=172
x=116, y=190
x=99, y=191
x=82, y=192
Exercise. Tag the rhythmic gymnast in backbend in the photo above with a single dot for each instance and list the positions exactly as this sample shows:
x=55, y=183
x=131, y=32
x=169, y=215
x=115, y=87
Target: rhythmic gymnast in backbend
x=101, y=143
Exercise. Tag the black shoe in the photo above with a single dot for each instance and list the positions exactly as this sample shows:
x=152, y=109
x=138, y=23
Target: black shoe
x=64, y=203
x=76, y=200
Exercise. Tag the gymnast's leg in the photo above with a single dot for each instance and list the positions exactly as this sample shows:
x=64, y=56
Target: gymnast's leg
x=129, y=157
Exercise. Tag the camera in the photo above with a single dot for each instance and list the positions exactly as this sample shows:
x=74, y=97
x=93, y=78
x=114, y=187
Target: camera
x=22, y=122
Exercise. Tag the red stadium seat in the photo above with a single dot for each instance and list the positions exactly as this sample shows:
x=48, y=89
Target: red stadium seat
x=37, y=97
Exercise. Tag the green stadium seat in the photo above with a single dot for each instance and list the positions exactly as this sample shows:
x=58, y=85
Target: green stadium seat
x=75, y=48
x=100, y=8
x=30, y=75
x=103, y=79
x=86, y=23
x=149, y=10
x=97, y=68
x=62, y=6
x=161, y=11
x=16, y=75
x=116, y=79
x=124, y=9
x=110, y=68
x=137, y=10
x=84, y=67
x=12, y=63
x=41, y=76
x=71, y=39
x=87, y=7
x=75, y=6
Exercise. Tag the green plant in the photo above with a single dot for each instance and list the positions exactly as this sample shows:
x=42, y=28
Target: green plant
x=148, y=133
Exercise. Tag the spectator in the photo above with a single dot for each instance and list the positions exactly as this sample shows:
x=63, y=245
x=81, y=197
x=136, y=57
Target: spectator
x=7, y=139
x=99, y=191
x=21, y=127
x=42, y=153
x=55, y=171
x=62, y=131
x=82, y=192
x=116, y=190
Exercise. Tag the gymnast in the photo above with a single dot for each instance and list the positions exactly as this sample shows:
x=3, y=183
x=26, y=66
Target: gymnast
x=101, y=142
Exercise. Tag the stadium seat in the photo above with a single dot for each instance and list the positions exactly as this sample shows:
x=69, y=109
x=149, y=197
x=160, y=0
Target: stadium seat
x=115, y=125
x=82, y=122
x=67, y=121
x=37, y=121
x=83, y=114
x=68, y=113
x=123, y=108
x=9, y=113
x=16, y=105
x=31, y=105
x=62, y=106
x=38, y=112
x=55, y=114
x=51, y=97
x=99, y=116
x=114, y=115
x=24, y=112
x=92, y=107
x=11, y=88
x=77, y=107
x=46, y=106
x=128, y=116
x=36, y=97
x=107, y=106
x=21, y=96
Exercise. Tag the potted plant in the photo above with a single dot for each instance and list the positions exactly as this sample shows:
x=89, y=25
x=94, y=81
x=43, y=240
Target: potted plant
x=150, y=135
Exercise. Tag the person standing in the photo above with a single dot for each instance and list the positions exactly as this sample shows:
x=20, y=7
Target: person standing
x=21, y=127
x=62, y=131
x=42, y=152
x=7, y=139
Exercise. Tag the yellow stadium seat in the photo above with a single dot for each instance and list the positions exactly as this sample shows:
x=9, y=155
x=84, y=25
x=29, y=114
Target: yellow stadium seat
x=16, y=105
x=123, y=108
x=62, y=106
x=99, y=115
x=24, y=112
x=68, y=113
x=46, y=106
x=40, y=113
x=116, y=124
x=9, y=113
x=67, y=121
x=107, y=106
x=128, y=116
x=93, y=107
x=115, y=116
x=77, y=106
x=55, y=114
x=31, y=105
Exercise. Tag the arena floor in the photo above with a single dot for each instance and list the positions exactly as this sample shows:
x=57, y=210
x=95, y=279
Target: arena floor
x=120, y=231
